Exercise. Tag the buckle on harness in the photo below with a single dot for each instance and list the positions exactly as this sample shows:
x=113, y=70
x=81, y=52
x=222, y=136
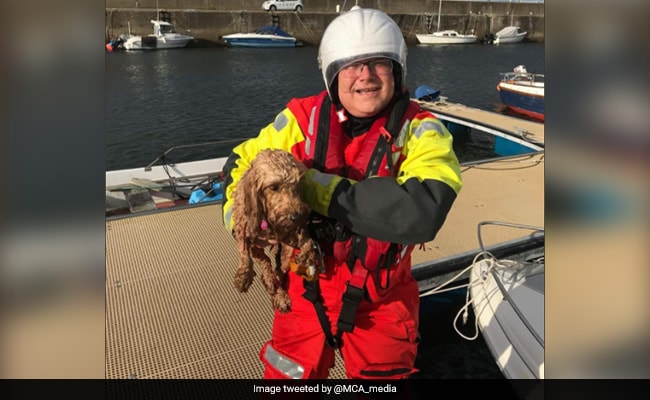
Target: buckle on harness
x=333, y=342
x=353, y=294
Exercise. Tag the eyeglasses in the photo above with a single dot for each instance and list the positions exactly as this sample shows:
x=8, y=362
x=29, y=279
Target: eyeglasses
x=379, y=67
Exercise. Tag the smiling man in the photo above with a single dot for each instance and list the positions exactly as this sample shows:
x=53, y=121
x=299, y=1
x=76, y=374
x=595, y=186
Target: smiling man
x=381, y=176
x=366, y=87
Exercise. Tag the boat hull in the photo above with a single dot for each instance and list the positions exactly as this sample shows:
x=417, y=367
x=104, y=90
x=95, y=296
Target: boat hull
x=442, y=38
x=524, y=99
x=509, y=307
x=259, y=41
x=509, y=34
x=510, y=39
x=259, y=44
x=152, y=42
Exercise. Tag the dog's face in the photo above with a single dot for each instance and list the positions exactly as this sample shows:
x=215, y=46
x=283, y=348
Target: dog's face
x=277, y=177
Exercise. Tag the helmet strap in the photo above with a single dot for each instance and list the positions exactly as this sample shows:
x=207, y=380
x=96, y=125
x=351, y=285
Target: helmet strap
x=334, y=92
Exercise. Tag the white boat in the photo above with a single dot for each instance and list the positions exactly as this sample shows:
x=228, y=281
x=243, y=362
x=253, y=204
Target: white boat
x=445, y=37
x=163, y=37
x=508, y=302
x=265, y=36
x=448, y=36
x=509, y=34
x=505, y=292
x=163, y=185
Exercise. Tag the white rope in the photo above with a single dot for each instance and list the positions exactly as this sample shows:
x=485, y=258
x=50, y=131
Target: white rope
x=438, y=288
x=493, y=263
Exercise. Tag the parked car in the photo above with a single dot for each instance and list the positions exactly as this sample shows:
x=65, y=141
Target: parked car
x=283, y=5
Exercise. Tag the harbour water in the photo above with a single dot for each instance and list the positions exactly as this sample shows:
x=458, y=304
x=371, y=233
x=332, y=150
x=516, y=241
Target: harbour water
x=159, y=99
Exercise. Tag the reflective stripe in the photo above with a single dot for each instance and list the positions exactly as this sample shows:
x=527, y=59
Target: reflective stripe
x=280, y=122
x=322, y=179
x=228, y=219
x=312, y=121
x=428, y=126
x=401, y=137
x=283, y=364
x=310, y=130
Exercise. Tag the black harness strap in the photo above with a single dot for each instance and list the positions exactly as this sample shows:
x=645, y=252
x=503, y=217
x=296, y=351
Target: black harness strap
x=390, y=132
x=355, y=291
x=322, y=135
x=312, y=294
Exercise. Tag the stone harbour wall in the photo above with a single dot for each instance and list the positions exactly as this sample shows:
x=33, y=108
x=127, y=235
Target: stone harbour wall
x=209, y=20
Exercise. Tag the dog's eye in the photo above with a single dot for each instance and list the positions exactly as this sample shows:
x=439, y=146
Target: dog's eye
x=275, y=188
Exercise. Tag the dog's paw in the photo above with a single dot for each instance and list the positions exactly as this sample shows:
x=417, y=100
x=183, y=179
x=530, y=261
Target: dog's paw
x=243, y=280
x=281, y=301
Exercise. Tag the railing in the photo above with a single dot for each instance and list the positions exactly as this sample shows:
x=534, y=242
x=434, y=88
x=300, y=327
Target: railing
x=184, y=146
x=522, y=77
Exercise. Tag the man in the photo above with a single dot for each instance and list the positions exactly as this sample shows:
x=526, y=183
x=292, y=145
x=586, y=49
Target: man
x=382, y=176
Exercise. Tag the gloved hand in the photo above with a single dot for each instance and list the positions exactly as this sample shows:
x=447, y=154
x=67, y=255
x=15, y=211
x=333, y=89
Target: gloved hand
x=318, y=187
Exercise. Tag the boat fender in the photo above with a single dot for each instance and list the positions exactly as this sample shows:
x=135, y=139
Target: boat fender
x=427, y=93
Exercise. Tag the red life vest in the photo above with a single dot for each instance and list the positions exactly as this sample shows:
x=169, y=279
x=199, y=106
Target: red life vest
x=329, y=149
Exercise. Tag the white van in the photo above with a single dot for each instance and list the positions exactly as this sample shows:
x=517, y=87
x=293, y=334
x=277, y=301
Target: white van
x=283, y=5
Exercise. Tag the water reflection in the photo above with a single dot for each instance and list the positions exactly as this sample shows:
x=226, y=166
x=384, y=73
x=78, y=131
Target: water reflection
x=158, y=99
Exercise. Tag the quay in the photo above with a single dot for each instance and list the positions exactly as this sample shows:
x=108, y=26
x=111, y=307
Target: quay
x=209, y=20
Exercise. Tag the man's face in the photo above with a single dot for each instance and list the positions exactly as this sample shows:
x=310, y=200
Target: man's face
x=366, y=87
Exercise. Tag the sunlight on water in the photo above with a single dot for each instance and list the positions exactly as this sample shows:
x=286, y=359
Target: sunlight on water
x=159, y=99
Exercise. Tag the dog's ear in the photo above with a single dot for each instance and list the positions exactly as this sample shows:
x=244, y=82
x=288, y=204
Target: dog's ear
x=254, y=208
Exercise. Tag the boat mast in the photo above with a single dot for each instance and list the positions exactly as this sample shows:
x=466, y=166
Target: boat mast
x=439, y=10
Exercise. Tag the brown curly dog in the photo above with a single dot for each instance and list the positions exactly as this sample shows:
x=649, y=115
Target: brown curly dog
x=267, y=209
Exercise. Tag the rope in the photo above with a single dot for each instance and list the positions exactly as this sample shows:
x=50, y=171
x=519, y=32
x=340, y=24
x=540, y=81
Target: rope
x=311, y=33
x=238, y=17
x=438, y=289
x=492, y=263
x=464, y=310
x=417, y=18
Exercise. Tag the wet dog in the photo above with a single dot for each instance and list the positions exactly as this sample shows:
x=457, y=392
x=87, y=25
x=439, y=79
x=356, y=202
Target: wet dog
x=269, y=224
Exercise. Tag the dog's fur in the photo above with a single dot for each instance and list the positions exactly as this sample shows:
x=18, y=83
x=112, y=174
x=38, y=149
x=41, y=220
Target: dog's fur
x=267, y=206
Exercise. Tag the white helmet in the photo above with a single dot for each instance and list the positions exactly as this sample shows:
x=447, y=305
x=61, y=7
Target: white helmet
x=359, y=34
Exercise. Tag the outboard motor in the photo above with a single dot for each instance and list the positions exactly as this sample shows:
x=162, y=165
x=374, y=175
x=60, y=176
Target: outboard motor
x=116, y=44
x=488, y=38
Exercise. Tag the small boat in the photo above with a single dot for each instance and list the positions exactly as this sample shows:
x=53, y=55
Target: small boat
x=163, y=37
x=163, y=185
x=508, y=302
x=448, y=36
x=445, y=37
x=509, y=34
x=523, y=92
x=265, y=36
x=505, y=293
